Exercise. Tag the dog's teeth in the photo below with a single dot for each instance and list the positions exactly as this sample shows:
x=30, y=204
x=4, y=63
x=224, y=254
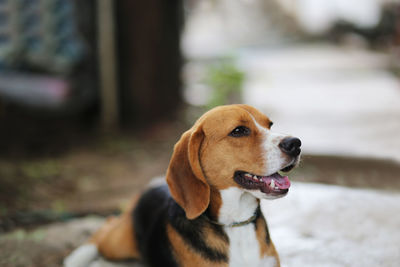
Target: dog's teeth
x=248, y=175
x=255, y=178
x=272, y=185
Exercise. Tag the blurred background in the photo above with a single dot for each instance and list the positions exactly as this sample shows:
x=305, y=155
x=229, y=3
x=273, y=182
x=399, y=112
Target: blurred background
x=94, y=94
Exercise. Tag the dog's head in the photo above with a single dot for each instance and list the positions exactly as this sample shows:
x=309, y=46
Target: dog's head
x=230, y=146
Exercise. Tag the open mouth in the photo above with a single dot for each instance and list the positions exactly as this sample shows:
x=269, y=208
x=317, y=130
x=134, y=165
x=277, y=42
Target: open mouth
x=274, y=184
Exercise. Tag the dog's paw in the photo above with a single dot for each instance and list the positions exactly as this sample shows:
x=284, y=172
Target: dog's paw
x=82, y=256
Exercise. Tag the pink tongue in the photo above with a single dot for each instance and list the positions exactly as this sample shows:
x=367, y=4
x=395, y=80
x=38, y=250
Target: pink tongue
x=282, y=182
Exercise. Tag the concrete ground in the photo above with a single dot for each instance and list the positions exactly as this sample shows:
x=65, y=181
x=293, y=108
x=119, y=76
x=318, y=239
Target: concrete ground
x=331, y=226
x=315, y=225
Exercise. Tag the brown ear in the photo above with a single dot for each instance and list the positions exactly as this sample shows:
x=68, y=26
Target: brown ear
x=185, y=177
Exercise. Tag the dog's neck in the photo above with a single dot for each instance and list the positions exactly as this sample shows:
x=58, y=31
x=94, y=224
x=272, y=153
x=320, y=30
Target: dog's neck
x=232, y=205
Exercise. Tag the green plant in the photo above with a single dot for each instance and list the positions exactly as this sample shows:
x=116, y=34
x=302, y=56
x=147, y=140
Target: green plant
x=226, y=81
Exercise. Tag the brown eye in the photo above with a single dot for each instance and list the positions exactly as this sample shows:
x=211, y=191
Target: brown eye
x=240, y=131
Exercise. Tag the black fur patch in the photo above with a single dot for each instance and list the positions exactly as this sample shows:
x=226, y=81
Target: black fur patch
x=192, y=232
x=154, y=211
x=150, y=220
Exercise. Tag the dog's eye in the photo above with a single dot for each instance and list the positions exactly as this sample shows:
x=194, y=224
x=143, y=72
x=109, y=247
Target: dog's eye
x=240, y=131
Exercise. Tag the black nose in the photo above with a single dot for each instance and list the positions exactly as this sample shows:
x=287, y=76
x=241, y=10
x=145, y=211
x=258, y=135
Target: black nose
x=291, y=146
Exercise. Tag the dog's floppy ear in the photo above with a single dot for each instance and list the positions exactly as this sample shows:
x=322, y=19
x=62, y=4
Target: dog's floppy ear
x=185, y=177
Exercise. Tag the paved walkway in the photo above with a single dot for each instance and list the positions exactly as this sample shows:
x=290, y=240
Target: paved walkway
x=332, y=226
x=339, y=101
x=304, y=227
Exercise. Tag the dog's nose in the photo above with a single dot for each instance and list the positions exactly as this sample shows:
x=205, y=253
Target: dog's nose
x=291, y=146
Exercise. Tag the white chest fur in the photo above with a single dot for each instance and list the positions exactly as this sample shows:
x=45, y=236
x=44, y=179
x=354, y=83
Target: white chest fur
x=244, y=248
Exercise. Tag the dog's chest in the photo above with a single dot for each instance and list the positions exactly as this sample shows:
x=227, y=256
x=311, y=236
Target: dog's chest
x=244, y=248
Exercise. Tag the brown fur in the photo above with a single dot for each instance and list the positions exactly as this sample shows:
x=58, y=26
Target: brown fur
x=221, y=155
x=262, y=235
x=185, y=178
x=206, y=156
x=115, y=239
x=215, y=203
x=186, y=256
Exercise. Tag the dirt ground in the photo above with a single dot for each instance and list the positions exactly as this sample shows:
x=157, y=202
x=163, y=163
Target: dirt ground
x=97, y=179
x=40, y=193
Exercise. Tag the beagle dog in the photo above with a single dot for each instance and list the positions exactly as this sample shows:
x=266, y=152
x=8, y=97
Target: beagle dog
x=208, y=213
